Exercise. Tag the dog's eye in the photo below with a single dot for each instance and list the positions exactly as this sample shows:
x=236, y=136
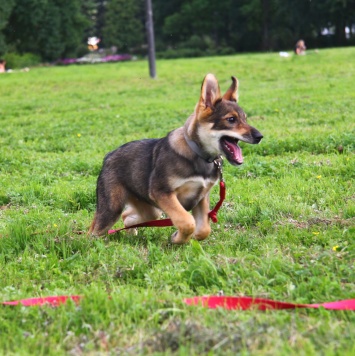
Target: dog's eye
x=231, y=119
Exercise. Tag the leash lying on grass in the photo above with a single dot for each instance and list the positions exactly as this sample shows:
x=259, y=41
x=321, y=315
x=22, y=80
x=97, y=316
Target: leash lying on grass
x=246, y=303
x=211, y=302
x=51, y=301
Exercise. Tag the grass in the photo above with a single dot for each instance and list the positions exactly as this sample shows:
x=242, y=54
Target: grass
x=286, y=231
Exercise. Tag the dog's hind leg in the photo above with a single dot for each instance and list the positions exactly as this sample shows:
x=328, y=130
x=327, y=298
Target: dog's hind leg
x=138, y=212
x=109, y=208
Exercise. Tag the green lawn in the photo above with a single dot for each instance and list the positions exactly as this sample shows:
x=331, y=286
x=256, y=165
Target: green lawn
x=285, y=232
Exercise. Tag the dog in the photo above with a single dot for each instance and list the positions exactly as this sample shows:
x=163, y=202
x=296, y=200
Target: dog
x=175, y=174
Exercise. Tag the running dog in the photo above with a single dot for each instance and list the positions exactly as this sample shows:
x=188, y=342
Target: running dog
x=175, y=174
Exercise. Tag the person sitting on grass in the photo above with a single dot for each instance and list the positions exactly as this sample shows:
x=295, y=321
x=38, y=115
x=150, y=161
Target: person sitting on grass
x=300, y=47
x=2, y=66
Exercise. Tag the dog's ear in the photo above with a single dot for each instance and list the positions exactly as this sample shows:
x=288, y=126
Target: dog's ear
x=210, y=92
x=232, y=93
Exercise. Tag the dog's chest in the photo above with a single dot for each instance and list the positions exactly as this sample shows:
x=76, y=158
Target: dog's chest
x=191, y=190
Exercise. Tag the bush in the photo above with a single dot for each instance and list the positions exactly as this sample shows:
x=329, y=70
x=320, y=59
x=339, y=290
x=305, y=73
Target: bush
x=194, y=52
x=224, y=51
x=15, y=60
x=180, y=53
x=195, y=46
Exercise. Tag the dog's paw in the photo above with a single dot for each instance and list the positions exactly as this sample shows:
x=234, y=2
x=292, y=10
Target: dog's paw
x=202, y=234
x=200, y=238
x=177, y=239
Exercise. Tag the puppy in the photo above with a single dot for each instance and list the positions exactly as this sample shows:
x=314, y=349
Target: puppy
x=175, y=174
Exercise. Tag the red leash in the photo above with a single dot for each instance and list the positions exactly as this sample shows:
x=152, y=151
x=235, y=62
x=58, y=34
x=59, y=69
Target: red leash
x=246, y=303
x=52, y=301
x=222, y=195
x=211, y=302
x=167, y=222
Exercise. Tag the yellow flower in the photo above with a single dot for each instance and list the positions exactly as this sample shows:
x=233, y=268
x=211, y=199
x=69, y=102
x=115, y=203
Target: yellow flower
x=79, y=135
x=319, y=177
x=336, y=248
x=55, y=225
x=315, y=233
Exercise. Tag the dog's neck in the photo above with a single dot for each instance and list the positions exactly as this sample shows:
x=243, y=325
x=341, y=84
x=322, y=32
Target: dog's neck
x=191, y=138
x=198, y=150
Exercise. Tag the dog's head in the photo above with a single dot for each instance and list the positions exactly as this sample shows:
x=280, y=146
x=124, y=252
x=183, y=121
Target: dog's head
x=219, y=123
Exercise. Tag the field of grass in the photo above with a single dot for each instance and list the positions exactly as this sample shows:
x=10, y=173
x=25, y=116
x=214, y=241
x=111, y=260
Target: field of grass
x=286, y=231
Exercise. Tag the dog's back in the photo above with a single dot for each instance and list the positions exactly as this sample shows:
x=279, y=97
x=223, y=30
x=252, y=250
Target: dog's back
x=148, y=165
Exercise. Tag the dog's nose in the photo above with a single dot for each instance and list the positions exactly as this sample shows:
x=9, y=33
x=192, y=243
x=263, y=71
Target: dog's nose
x=257, y=136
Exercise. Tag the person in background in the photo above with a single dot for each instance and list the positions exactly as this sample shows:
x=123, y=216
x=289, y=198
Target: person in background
x=2, y=65
x=300, y=47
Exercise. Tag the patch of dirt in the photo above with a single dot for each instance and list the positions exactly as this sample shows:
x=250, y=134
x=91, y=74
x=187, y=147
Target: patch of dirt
x=5, y=207
x=318, y=221
x=178, y=333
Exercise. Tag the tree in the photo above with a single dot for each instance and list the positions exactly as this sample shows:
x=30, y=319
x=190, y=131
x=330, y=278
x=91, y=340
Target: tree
x=5, y=12
x=124, y=24
x=49, y=28
x=198, y=24
x=336, y=14
x=56, y=28
x=94, y=13
x=72, y=25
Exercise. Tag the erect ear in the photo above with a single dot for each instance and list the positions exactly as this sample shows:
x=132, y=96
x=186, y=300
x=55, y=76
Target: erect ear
x=232, y=93
x=210, y=92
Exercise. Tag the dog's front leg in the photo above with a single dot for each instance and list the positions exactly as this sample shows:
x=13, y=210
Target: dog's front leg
x=200, y=213
x=182, y=220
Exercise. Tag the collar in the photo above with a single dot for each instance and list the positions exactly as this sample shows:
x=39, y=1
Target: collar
x=197, y=149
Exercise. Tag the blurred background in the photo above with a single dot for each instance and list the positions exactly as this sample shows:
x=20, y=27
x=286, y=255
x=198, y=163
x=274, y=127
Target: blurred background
x=58, y=31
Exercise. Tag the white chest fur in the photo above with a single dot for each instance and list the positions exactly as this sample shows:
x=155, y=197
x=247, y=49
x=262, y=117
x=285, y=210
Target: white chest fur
x=192, y=188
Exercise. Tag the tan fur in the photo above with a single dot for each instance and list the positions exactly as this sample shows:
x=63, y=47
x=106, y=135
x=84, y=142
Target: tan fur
x=232, y=92
x=178, y=143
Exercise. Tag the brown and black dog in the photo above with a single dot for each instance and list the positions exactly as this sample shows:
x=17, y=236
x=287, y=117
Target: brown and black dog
x=175, y=174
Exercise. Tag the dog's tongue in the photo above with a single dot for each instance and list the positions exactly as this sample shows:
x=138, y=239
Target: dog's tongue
x=235, y=150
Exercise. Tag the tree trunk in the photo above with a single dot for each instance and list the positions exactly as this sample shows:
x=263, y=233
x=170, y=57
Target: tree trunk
x=265, y=45
x=340, y=36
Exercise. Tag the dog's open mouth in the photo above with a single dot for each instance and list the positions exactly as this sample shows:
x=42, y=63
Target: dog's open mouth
x=231, y=150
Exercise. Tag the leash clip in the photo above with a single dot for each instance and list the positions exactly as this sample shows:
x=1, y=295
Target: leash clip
x=219, y=163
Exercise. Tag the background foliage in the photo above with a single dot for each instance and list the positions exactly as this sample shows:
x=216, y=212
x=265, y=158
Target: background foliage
x=53, y=29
